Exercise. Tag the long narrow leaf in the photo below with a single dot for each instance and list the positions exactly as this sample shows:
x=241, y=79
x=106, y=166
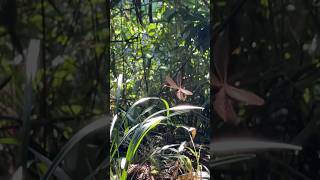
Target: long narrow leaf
x=137, y=139
x=102, y=165
x=231, y=159
x=59, y=173
x=112, y=124
x=177, y=108
x=119, y=88
x=240, y=145
x=100, y=123
x=31, y=69
x=143, y=100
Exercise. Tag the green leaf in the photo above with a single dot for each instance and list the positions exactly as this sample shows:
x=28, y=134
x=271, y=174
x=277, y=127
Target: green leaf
x=11, y=141
x=241, y=144
x=100, y=123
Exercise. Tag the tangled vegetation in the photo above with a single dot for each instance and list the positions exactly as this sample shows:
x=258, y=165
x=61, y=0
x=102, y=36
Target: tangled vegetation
x=189, y=89
x=160, y=50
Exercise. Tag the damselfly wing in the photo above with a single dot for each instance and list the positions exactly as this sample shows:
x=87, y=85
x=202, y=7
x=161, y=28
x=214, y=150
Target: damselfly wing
x=223, y=103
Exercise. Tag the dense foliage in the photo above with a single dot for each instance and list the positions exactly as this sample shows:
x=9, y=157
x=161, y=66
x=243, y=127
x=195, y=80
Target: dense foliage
x=176, y=40
x=239, y=77
x=156, y=46
x=55, y=88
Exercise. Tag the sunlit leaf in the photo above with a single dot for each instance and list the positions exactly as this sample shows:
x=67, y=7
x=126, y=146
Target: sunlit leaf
x=240, y=145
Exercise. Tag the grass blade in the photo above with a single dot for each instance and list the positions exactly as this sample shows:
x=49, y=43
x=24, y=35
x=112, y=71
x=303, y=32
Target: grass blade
x=231, y=159
x=58, y=173
x=31, y=69
x=239, y=145
x=100, y=123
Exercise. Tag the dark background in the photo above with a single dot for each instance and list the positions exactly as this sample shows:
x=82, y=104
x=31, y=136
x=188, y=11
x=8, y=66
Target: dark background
x=39, y=114
x=279, y=61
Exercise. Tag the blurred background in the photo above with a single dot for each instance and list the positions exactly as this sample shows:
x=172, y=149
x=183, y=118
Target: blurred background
x=52, y=80
x=274, y=52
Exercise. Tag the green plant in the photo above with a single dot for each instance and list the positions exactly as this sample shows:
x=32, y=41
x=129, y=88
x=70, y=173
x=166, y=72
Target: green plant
x=132, y=130
x=97, y=125
x=129, y=128
x=193, y=150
